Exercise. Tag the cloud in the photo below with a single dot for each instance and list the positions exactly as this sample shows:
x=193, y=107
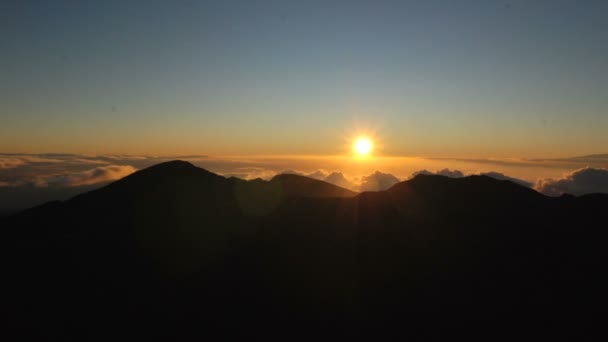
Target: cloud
x=588, y=159
x=378, y=181
x=98, y=175
x=501, y=176
x=450, y=173
x=583, y=181
x=319, y=174
x=444, y=172
x=337, y=178
x=89, y=161
x=10, y=162
x=39, y=159
x=34, y=177
x=592, y=160
x=249, y=173
x=291, y=172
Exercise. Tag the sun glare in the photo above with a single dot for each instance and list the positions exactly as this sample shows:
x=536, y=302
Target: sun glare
x=362, y=146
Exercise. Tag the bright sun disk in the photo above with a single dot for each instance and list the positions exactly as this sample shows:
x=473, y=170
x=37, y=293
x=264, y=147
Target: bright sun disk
x=362, y=146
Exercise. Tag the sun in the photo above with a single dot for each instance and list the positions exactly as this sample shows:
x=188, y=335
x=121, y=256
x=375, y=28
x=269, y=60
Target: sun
x=362, y=146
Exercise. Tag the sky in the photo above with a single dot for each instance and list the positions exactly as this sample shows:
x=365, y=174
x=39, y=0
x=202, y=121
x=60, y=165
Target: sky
x=255, y=88
x=428, y=78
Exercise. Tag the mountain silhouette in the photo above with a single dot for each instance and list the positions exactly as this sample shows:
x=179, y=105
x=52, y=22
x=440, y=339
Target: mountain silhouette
x=174, y=252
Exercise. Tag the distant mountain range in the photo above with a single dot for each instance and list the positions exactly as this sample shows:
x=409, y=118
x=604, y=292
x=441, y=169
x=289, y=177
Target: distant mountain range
x=176, y=252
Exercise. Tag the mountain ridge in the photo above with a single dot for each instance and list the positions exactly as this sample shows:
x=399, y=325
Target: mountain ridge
x=297, y=183
x=177, y=251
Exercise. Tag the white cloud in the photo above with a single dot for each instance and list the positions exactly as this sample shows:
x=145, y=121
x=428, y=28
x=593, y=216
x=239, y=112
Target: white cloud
x=319, y=174
x=249, y=173
x=579, y=182
x=337, y=178
x=98, y=175
x=378, y=181
x=39, y=159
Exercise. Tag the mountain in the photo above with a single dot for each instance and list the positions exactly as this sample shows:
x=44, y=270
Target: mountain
x=299, y=186
x=177, y=252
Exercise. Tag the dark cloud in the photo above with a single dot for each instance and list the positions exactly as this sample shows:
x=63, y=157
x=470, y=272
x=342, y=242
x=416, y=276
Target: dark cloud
x=421, y=172
x=378, y=181
x=450, y=173
x=236, y=175
x=579, y=182
x=291, y=172
x=500, y=162
x=444, y=172
x=592, y=160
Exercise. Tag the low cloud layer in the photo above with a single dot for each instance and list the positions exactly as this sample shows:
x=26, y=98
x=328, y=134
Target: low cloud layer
x=592, y=160
x=31, y=179
x=97, y=175
x=579, y=182
x=9, y=163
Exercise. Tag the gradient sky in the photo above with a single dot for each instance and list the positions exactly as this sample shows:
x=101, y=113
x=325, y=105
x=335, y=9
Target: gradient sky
x=426, y=78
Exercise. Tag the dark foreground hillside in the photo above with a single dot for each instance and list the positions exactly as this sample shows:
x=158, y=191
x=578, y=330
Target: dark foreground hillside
x=178, y=253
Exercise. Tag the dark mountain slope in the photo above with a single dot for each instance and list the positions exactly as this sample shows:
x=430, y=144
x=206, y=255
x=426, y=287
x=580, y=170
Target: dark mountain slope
x=176, y=252
x=259, y=197
x=300, y=186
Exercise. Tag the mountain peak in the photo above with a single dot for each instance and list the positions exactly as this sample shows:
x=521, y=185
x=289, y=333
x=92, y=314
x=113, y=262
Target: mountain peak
x=168, y=174
x=173, y=164
x=174, y=168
